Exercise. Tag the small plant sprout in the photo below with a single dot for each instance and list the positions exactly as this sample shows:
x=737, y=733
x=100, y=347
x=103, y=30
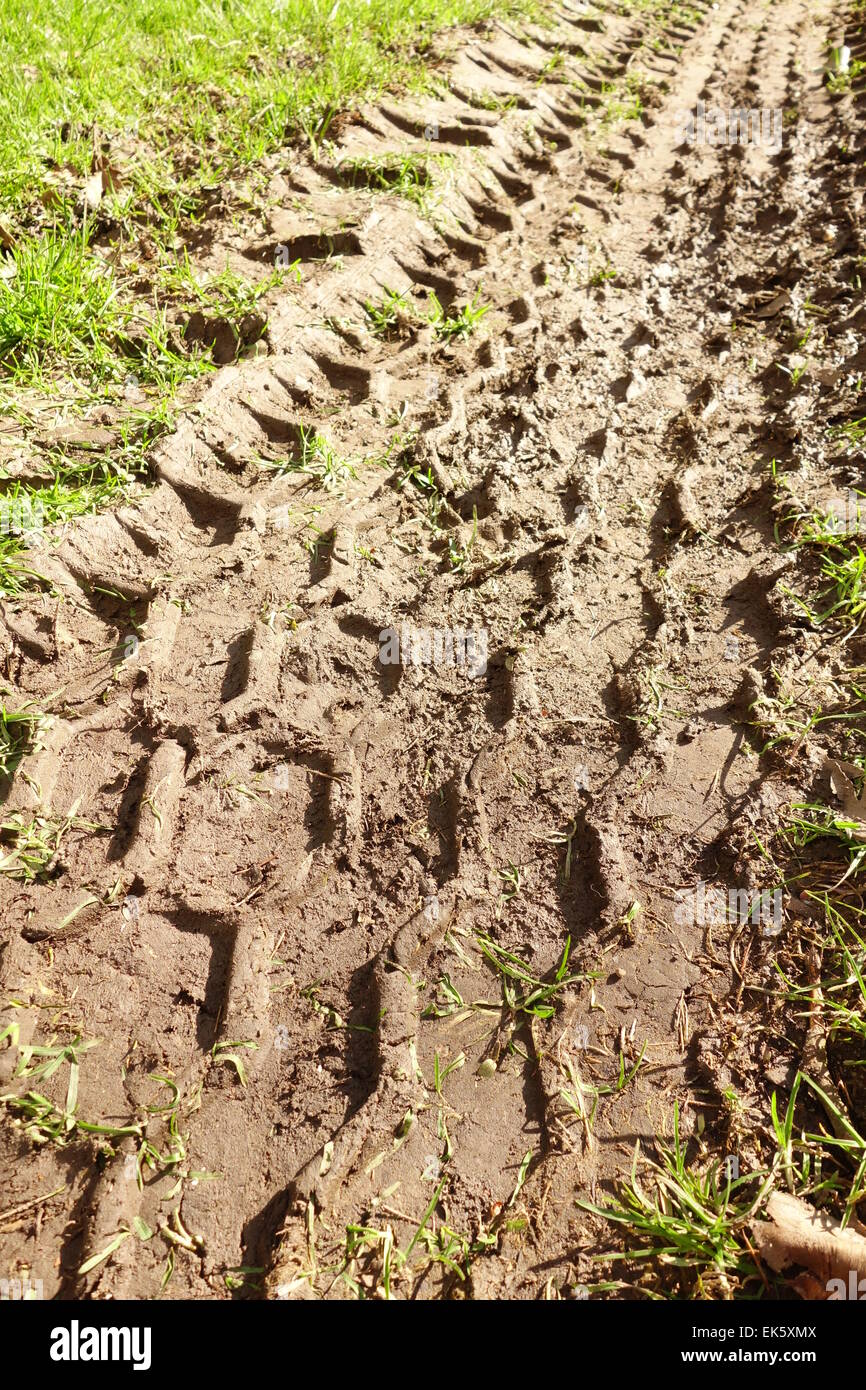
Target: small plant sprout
x=457, y=323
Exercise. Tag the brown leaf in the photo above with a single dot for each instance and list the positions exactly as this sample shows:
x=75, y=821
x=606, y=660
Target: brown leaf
x=111, y=179
x=93, y=190
x=798, y=1234
x=853, y=805
x=773, y=306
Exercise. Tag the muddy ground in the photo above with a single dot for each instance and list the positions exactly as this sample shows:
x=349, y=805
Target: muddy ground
x=302, y=866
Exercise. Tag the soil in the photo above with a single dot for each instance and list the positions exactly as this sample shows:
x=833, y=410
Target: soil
x=300, y=845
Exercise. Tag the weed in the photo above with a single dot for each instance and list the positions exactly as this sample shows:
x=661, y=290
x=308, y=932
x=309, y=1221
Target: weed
x=524, y=994
x=315, y=458
x=693, y=1220
x=20, y=734
x=35, y=840
x=405, y=174
x=387, y=318
x=459, y=322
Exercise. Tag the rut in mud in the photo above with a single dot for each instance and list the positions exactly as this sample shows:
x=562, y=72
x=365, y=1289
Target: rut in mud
x=410, y=700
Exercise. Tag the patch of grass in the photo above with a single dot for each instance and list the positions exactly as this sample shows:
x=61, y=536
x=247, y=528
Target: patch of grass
x=64, y=308
x=71, y=489
x=846, y=593
x=839, y=76
x=374, y=1264
x=680, y=1217
x=459, y=322
x=448, y=1000
x=31, y=843
x=827, y=1156
x=390, y=315
x=225, y=294
x=420, y=476
x=603, y=276
x=833, y=537
x=407, y=174
x=59, y=303
x=791, y=717
x=852, y=433
x=188, y=92
x=20, y=732
x=316, y=459
x=523, y=993
x=121, y=129
x=813, y=821
x=653, y=708
x=622, y=100
x=42, y=1119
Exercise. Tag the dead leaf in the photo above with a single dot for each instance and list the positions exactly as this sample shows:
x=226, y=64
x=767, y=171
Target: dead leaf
x=109, y=172
x=774, y=306
x=93, y=190
x=798, y=1234
x=853, y=805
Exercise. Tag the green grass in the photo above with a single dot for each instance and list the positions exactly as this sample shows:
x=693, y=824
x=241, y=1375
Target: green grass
x=409, y=175
x=60, y=305
x=226, y=294
x=795, y=716
x=395, y=309
x=71, y=489
x=315, y=458
x=458, y=322
x=823, y=1154
x=690, y=1222
x=524, y=994
x=168, y=106
x=385, y=318
x=30, y=843
x=183, y=92
x=20, y=731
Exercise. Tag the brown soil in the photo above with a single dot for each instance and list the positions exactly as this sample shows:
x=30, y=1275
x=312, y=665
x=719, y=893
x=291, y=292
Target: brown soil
x=301, y=842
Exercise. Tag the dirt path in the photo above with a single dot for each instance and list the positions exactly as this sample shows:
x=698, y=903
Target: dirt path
x=317, y=859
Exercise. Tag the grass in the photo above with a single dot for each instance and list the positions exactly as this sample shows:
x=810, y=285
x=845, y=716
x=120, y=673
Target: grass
x=688, y=1219
x=407, y=174
x=396, y=310
x=794, y=716
x=844, y=600
x=60, y=305
x=20, y=731
x=825, y=1158
x=524, y=994
x=42, y=1119
x=65, y=310
x=832, y=537
x=374, y=1264
x=813, y=822
x=121, y=127
x=71, y=489
x=315, y=458
x=31, y=843
x=189, y=92
x=386, y=318
x=458, y=323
